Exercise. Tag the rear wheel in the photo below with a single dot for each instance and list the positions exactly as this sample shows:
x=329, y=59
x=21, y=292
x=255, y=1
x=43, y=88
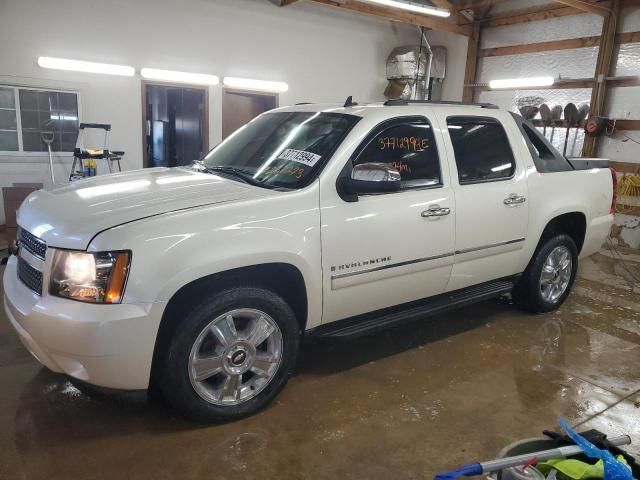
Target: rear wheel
x=548, y=279
x=231, y=355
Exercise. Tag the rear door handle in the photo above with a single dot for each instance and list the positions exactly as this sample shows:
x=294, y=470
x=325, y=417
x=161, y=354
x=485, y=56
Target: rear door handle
x=514, y=199
x=436, y=211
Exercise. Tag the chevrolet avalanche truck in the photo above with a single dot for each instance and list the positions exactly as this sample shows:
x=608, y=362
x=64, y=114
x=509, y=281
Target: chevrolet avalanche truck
x=311, y=220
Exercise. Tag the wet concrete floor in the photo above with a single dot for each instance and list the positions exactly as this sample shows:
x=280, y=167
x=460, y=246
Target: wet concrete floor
x=402, y=404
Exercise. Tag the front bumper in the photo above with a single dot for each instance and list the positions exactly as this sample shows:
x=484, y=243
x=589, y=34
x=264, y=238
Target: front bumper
x=106, y=345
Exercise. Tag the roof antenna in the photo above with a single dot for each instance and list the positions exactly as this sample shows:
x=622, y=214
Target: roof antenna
x=350, y=102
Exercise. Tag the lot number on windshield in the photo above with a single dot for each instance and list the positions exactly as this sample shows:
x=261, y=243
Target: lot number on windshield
x=300, y=156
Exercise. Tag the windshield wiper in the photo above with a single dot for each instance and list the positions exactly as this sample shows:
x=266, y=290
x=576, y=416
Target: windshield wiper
x=232, y=171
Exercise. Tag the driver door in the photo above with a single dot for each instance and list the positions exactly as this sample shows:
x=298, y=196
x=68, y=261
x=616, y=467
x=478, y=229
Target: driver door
x=381, y=250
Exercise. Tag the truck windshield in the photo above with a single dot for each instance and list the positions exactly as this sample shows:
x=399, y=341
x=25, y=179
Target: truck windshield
x=281, y=149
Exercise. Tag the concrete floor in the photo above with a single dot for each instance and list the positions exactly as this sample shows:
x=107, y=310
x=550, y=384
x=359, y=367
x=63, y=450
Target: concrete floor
x=405, y=403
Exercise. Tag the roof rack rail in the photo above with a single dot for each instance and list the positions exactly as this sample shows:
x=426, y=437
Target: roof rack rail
x=400, y=102
x=304, y=103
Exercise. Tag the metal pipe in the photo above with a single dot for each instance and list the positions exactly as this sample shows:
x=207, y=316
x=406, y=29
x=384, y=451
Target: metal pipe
x=428, y=72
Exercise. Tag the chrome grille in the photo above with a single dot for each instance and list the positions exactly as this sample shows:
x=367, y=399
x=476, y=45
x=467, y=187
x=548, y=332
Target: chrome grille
x=32, y=244
x=28, y=275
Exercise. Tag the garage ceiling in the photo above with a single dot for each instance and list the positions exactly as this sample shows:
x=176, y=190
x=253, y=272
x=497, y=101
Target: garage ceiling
x=468, y=13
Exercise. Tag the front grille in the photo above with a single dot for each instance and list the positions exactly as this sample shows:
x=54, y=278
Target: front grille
x=32, y=244
x=31, y=277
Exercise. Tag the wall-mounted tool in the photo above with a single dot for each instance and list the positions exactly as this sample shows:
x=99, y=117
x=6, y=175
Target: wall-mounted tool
x=571, y=120
x=583, y=112
x=48, y=137
x=596, y=126
x=528, y=111
x=545, y=114
x=556, y=119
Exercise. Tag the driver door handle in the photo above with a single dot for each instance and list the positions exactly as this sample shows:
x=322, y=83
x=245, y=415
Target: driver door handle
x=514, y=199
x=436, y=211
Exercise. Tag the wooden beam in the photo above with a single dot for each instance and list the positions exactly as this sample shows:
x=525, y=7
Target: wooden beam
x=540, y=47
x=568, y=44
x=625, y=167
x=445, y=4
x=473, y=4
x=471, y=65
x=627, y=82
x=603, y=67
x=283, y=3
x=624, y=124
x=627, y=37
x=587, y=7
x=399, y=16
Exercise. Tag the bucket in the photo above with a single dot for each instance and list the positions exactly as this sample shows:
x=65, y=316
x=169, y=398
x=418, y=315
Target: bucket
x=521, y=447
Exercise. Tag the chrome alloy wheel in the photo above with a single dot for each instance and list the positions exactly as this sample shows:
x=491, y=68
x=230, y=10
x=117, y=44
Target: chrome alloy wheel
x=556, y=274
x=235, y=357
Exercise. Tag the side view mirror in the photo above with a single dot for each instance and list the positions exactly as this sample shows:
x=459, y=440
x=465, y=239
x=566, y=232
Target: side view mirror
x=373, y=178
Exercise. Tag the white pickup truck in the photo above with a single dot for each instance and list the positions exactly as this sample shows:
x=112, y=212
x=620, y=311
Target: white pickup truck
x=311, y=220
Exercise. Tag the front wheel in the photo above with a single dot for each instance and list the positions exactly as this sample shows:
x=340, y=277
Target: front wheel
x=231, y=355
x=548, y=279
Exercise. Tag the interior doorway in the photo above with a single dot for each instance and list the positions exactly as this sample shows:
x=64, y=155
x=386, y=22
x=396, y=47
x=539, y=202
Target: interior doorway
x=239, y=108
x=175, y=124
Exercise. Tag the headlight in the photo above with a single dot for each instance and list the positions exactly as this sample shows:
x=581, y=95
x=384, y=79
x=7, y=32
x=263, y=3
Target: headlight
x=90, y=277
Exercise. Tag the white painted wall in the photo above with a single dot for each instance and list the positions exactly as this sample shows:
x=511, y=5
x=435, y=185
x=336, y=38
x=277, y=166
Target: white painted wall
x=456, y=46
x=323, y=53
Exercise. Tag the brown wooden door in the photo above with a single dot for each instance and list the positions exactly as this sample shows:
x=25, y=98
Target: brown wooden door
x=239, y=108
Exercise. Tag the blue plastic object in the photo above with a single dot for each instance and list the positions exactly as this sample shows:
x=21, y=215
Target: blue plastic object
x=468, y=470
x=613, y=469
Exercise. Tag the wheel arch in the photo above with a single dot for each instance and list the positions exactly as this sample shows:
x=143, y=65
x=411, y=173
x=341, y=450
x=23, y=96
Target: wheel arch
x=573, y=224
x=283, y=279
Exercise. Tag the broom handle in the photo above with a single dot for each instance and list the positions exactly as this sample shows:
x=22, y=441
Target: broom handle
x=501, y=463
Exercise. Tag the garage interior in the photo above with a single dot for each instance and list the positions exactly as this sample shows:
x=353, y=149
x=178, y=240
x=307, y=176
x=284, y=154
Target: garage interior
x=406, y=402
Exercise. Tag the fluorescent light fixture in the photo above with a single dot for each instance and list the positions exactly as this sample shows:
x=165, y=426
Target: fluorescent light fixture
x=412, y=7
x=181, y=77
x=251, y=84
x=88, y=67
x=521, y=82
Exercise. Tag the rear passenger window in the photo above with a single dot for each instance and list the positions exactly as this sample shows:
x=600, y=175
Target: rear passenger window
x=481, y=148
x=410, y=148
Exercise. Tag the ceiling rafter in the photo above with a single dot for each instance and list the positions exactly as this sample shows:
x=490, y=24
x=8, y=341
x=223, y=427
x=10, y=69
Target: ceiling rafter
x=283, y=3
x=587, y=7
x=445, y=4
x=399, y=16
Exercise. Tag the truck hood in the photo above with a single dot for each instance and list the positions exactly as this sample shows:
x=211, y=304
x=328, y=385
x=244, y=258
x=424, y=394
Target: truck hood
x=70, y=216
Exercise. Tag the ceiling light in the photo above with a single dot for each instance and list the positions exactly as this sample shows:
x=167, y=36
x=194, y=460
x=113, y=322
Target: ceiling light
x=82, y=66
x=182, y=77
x=258, y=85
x=521, y=82
x=412, y=7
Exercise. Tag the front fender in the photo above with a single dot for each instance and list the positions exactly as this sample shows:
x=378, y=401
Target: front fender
x=170, y=251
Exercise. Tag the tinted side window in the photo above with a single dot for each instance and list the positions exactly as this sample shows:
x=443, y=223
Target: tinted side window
x=481, y=148
x=411, y=149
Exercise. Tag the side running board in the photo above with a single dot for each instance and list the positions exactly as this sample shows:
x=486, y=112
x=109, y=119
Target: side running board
x=388, y=317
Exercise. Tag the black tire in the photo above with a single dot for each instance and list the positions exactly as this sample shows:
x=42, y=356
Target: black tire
x=174, y=380
x=528, y=295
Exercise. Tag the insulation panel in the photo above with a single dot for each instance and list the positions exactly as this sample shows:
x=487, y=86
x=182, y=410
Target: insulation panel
x=573, y=26
x=622, y=102
x=627, y=59
x=577, y=63
x=629, y=20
